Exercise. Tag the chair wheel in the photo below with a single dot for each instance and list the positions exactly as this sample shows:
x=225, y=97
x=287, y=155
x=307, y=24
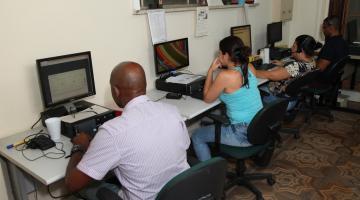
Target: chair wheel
x=296, y=136
x=270, y=181
x=259, y=197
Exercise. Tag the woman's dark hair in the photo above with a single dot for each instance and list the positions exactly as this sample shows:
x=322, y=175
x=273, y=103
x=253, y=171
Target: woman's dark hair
x=238, y=53
x=307, y=44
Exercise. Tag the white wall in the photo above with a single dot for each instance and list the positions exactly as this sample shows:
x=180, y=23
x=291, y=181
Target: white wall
x=37, y=29
x=307, y=18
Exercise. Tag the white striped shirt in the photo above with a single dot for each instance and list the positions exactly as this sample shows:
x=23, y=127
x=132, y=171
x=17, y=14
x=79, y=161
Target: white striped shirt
x=145, y=146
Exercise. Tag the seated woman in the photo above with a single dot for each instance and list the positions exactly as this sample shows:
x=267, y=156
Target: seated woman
x=302, y=52
x=236, y=87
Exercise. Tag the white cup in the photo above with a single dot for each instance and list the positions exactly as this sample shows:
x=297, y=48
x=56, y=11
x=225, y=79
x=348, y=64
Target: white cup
x=266, y=55
x=53, y=126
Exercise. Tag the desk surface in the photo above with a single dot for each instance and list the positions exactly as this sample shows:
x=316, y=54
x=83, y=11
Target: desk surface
x=188, y=107
x=45, y=170
x=48, y=171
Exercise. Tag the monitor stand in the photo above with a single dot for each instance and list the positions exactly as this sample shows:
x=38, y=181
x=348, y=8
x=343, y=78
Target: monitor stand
x=66, y=109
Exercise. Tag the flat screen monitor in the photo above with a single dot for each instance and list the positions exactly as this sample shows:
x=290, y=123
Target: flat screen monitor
x=352, y=31
x=242, y=32
x=274, y=33
x=66, y=78
x=171, y=55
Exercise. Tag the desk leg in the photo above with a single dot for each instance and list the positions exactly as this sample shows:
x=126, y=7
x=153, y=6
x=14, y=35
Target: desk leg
x=21, y=183
x=7, y=183
x=353, y=77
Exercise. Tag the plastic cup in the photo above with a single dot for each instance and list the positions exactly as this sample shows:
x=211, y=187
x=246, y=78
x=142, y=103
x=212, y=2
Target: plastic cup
x=53, y=126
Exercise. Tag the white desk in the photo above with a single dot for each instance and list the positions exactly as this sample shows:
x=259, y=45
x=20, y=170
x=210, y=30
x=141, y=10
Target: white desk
x=188, y=107
x=48, y=171
x=45, y=170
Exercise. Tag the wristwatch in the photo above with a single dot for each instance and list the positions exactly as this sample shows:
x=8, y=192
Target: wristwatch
x=77, y=148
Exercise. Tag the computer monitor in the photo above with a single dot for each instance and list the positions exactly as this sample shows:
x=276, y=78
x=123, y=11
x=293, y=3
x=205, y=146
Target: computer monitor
x=352, y=31
x=171, y=55
x=242, y=32
x=66, y=78
x=274, y=33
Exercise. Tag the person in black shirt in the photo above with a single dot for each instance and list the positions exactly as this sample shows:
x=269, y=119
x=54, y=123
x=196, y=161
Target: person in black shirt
x=335, y=46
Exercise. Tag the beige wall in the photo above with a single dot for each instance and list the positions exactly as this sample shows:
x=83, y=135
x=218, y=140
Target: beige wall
x=37, y=29
x=307, y=18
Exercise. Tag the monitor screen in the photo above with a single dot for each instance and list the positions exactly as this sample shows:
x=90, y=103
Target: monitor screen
x=171, y=55
x=66, y=78
x=242, y=32
x=352, y=31
x=274, y=33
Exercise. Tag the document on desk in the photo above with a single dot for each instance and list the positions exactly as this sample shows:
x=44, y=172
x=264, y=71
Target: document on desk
x=183, y=78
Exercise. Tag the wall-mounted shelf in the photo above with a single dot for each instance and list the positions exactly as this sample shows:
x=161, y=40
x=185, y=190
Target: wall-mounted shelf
x=184, y=9
x=252, y=5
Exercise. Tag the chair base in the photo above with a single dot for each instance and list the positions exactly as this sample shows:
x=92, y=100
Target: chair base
x=294, y=131
x=245, y=179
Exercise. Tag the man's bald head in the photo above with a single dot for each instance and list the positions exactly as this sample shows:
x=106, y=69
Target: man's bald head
x=127, y=81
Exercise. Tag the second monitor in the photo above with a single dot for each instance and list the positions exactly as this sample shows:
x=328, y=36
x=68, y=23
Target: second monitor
x=242, y=32
x=171, y=55
x=274, y=33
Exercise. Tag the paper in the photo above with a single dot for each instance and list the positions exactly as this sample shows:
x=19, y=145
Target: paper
x=157, y=25
x=202, y=16
x=215, y=3
x=136, y=5
x=183, y=78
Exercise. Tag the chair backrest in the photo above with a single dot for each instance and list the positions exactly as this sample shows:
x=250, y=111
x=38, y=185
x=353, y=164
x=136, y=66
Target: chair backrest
x=203, y=181
x=266, y=122
x=295, y=86
x=334, y=71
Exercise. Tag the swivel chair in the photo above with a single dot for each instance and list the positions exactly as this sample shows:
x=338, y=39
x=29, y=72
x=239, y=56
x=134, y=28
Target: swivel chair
x=262, y=132
x=295, y=92
x=327, y=88
x=203, y=181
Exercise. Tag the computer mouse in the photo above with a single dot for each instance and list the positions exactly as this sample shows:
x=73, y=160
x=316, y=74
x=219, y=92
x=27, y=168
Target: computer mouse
x=173, y=95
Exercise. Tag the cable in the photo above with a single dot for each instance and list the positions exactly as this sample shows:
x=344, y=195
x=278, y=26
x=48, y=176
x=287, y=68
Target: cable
x=35, y=123
x=90, y=111
x=35, y=190
x=32, y=136
x=57, y=197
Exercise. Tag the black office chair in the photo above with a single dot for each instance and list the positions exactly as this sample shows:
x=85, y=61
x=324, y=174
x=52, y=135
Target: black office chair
x=327, y=88
x=203, y=181
x=295, y=92
x=262, y=133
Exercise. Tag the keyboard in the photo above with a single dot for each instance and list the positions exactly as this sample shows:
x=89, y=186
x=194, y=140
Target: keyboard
x=265, y=66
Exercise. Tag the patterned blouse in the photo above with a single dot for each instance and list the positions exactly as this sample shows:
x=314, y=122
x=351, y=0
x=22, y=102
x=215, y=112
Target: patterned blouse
x=295, y=69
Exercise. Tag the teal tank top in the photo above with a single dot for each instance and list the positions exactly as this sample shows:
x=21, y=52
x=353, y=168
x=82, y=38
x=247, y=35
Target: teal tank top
x=243, y=104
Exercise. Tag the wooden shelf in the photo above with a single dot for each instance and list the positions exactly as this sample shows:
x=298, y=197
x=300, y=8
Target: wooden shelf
x=169, y=10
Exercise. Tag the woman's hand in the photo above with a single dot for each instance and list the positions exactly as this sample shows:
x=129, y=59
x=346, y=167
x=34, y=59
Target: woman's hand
x=215, y=64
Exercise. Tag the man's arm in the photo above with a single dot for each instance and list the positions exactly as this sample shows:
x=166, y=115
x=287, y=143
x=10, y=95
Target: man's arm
x=322, y=64
x=75, y=179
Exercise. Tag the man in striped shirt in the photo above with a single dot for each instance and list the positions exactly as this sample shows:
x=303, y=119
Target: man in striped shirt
x=145, y=147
